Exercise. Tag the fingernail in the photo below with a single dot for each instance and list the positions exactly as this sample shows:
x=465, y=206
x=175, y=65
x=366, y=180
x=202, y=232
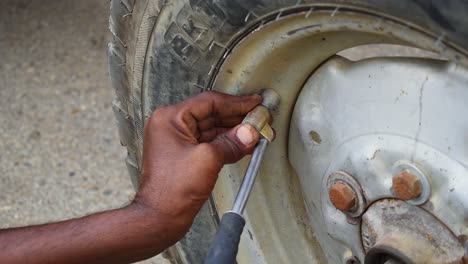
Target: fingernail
x=245, y=134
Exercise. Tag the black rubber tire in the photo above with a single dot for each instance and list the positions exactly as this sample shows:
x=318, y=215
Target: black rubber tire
x=152, y=57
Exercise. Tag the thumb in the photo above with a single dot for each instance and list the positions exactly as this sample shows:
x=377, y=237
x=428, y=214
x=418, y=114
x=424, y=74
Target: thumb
x=236, y=143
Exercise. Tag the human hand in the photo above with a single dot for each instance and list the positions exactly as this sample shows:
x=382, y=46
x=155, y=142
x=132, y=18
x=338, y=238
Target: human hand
x=185, y=147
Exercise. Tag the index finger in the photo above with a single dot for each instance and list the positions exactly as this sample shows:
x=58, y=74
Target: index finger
x=214, y=104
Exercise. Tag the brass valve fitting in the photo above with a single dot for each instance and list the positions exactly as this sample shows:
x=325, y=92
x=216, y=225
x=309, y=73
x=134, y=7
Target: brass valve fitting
x=260, y=116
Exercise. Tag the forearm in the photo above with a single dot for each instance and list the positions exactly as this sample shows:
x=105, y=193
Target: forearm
x=118, y=236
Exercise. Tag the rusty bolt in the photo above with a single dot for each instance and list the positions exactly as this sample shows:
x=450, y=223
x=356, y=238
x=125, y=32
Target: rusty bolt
x=342, y=196
x=406, y=186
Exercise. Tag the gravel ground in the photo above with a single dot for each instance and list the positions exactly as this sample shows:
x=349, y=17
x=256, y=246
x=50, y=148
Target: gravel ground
x=60, y=155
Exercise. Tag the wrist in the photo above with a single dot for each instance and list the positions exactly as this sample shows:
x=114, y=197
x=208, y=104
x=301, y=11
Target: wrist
x=172, y=224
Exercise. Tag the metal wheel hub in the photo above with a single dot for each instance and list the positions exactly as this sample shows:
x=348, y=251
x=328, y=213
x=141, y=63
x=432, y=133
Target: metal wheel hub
x=348, y=136
x=376, y=118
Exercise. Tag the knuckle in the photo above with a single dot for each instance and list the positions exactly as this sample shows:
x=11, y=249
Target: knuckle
x=209, y=95
x=159, y=115
x=231, y=146
x=156, y=115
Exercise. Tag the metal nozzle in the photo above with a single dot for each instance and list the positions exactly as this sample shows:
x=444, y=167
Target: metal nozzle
x=271, y=99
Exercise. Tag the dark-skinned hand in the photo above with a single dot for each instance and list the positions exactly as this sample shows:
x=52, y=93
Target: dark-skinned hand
x=184, y=148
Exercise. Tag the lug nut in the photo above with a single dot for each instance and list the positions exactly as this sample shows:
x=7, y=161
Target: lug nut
x=406, y=186
x=342, y=196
